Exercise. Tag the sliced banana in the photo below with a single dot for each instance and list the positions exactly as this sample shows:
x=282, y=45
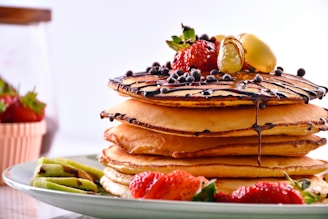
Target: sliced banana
x=257, y=53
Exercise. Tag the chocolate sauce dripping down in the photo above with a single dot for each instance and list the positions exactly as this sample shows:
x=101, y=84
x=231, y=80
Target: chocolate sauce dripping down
x=260, y=104
x=258, y=129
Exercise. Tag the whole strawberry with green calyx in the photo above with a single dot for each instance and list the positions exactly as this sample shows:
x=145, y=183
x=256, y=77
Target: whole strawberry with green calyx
x=25, y=108
x=193, y=52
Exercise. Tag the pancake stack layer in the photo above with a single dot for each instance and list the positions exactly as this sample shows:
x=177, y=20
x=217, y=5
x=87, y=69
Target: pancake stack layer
x=239, y=128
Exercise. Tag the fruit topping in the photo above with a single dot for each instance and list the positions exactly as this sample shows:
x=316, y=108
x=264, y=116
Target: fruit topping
x=228, y=54
x=257, y=53
x=193, y=52
x=231, y=55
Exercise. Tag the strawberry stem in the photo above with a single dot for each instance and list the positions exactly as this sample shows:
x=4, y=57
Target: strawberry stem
x=183, y=41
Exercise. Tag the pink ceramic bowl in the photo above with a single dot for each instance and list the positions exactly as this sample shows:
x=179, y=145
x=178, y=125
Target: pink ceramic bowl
x=20, y=142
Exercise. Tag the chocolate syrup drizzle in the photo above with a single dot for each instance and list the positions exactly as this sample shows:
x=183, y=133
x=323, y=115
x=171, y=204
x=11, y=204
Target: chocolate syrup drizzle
x=259, y=105
x=277, y=88
x=259, y=88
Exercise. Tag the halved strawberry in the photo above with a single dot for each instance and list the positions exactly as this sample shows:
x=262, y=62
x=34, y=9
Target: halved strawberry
x=177, y=185
x=268, y=192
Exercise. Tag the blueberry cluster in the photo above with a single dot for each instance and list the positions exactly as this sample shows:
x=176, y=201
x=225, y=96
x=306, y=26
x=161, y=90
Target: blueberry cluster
x=180, y=77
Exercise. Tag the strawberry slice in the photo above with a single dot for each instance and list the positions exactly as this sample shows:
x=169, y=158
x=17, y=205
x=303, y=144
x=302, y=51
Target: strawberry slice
x=177, y=185
x=143, y=183
x=268, y=192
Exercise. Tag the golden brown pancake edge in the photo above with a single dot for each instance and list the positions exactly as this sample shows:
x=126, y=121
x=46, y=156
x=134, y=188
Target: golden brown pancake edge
x=225, y=166
x=293, y=119
x=136, y=140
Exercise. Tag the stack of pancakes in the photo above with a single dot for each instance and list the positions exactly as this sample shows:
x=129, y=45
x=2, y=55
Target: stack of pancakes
x=239, y=128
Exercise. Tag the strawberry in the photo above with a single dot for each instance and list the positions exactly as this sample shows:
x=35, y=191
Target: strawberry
x=8, y=94
x=222, y=197
x=25, y=108
x=268, y=192
x=5, y=101
x=177, y=185
x=193, y=52
x=291, y=192
x=143, y=182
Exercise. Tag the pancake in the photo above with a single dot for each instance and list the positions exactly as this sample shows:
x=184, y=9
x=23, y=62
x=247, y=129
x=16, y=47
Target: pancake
x=225, y=166
x=219, y=90
x=113, y=184
x=118, y=177
x=292, y=119
x=137, y=140
x=115, y=188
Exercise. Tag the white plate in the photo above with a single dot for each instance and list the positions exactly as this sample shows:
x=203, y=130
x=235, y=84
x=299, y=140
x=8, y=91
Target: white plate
x=103, y=206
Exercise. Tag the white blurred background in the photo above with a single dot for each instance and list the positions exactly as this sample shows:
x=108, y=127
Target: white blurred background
x=71, y=58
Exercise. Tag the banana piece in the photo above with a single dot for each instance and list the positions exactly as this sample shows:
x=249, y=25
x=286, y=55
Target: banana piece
x=73, y=182
x=38, y=182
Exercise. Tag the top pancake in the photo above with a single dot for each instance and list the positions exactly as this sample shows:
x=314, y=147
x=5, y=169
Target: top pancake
x=217, y=90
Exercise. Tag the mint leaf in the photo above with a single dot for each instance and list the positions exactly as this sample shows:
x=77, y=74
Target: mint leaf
x=183, y=41
x=207, y=193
